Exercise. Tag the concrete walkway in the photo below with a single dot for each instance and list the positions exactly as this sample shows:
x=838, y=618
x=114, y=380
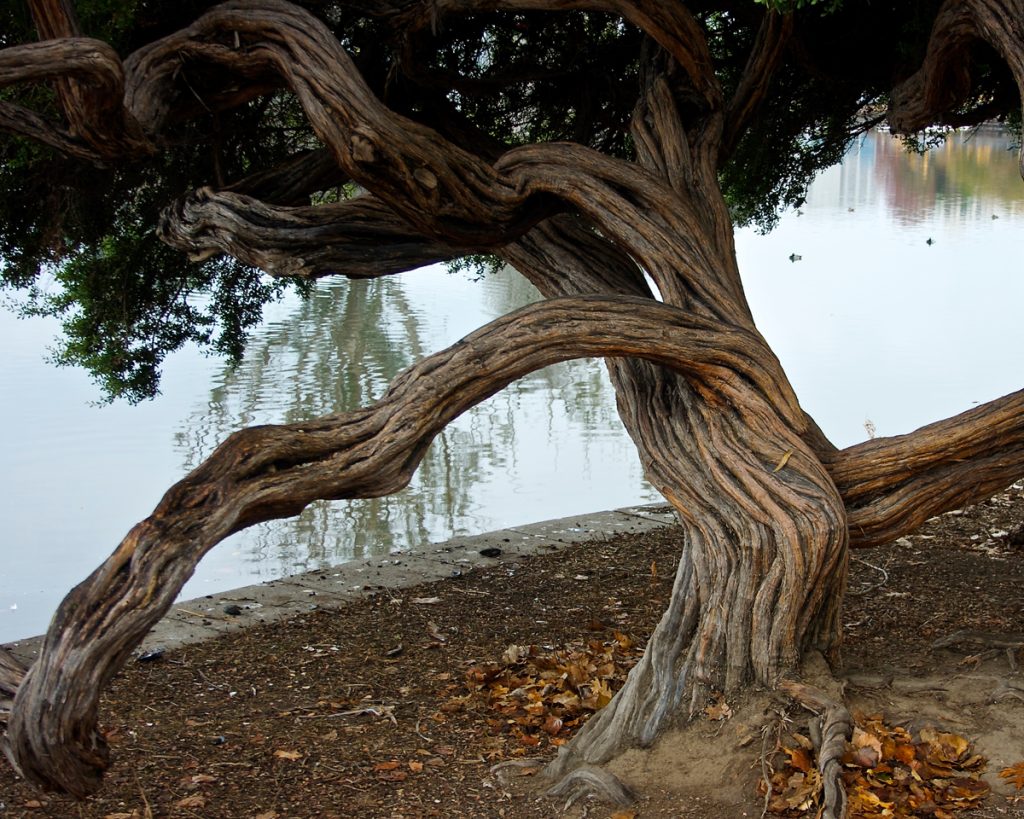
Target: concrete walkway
x=203, y=618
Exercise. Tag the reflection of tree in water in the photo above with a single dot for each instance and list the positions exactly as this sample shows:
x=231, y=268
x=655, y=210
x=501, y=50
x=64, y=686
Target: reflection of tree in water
x=338, y=350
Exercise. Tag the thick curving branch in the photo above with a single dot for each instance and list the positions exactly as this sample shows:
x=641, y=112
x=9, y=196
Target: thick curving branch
x=92, y=77
x=441, y=189
x=665, y=231
x=892, y=485
x=944, y=80
x=274, y=471
x=357, y=238
x=755, y=82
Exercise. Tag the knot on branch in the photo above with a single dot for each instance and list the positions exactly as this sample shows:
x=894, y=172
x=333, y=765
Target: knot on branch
x=362, y=149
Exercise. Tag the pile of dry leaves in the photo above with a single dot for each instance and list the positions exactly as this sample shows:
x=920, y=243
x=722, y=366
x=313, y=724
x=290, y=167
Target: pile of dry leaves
x=541, y=695
x=889, y=771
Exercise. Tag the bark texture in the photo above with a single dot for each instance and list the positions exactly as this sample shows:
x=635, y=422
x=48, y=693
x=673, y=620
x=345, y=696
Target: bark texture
x=768, y=507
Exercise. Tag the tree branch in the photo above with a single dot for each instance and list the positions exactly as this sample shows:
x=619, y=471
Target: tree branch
x=269, y=472
x=892, y=485
x=357, y=238
x=756, y=79
x=90, y=74
x=441, y=189
x=944, y=80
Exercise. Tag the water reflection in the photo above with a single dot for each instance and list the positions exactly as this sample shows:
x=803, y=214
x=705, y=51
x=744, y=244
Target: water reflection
x=493, y=467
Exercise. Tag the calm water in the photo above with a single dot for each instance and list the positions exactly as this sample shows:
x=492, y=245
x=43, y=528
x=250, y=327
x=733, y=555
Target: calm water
x=871, y=323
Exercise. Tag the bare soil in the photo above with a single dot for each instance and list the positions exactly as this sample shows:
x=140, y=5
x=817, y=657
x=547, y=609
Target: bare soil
x=378, y=710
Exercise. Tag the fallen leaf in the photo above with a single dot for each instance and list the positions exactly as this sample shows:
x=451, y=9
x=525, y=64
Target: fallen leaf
x=719, y=709
x=195, y=801
x=270, y=814
x=426, y=601
x=552, y=725
x=387, y=766
x=1015, y=774
x=800, y=759
x=624, y=814
x=415, y=767
x=292, y=755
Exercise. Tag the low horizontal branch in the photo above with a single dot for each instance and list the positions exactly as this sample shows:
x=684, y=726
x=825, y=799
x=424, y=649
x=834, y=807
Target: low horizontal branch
x=357, y=238
x=892, y=485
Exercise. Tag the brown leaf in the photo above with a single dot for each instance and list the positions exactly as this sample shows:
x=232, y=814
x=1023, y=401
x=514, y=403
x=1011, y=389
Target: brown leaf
x=552, y=725
x=197, y=800
x=386, y=766
x=799, y=758
x=269, y=814
x=1015, y=774
x=415, y=767
x=292, y=755
x=718, y=709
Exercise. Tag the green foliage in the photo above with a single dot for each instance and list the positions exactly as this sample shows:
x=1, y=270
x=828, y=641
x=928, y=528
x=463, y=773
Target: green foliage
x=78, y=243
x=476, y=267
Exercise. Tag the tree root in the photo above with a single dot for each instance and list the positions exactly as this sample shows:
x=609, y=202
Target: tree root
x=1011, y=643
x=588, y=780
x=834, y=728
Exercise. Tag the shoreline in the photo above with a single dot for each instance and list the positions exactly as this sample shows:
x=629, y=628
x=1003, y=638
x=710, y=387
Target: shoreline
x=199, y=619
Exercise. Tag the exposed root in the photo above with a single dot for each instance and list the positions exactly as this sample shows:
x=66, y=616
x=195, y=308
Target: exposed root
x=1010, y=643
x=1006, y=689
x=835, y=727
x=500, y=771
x=589, y=780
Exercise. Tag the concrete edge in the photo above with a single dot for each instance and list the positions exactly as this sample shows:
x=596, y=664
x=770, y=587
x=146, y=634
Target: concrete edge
x=204, y=618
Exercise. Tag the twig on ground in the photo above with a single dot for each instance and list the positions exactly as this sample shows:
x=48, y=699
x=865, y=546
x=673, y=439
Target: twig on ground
x=873, y=587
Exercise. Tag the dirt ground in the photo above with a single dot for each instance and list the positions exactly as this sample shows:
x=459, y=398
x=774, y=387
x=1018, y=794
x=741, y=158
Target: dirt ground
x=399, y=706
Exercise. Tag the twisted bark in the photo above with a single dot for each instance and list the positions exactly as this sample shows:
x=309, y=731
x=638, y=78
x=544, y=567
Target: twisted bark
x=358, y=238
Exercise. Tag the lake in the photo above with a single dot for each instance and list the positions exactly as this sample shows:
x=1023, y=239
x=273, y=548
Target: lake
x=872, y=322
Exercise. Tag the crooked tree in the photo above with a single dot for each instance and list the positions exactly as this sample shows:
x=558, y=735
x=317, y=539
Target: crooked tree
x=603, y=148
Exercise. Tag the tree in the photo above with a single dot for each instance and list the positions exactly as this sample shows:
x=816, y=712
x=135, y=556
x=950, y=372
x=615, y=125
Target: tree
x=598, y=146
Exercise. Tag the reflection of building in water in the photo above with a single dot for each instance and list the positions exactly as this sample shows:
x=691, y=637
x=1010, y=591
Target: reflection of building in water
x=339, y=350
x=969, y=176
